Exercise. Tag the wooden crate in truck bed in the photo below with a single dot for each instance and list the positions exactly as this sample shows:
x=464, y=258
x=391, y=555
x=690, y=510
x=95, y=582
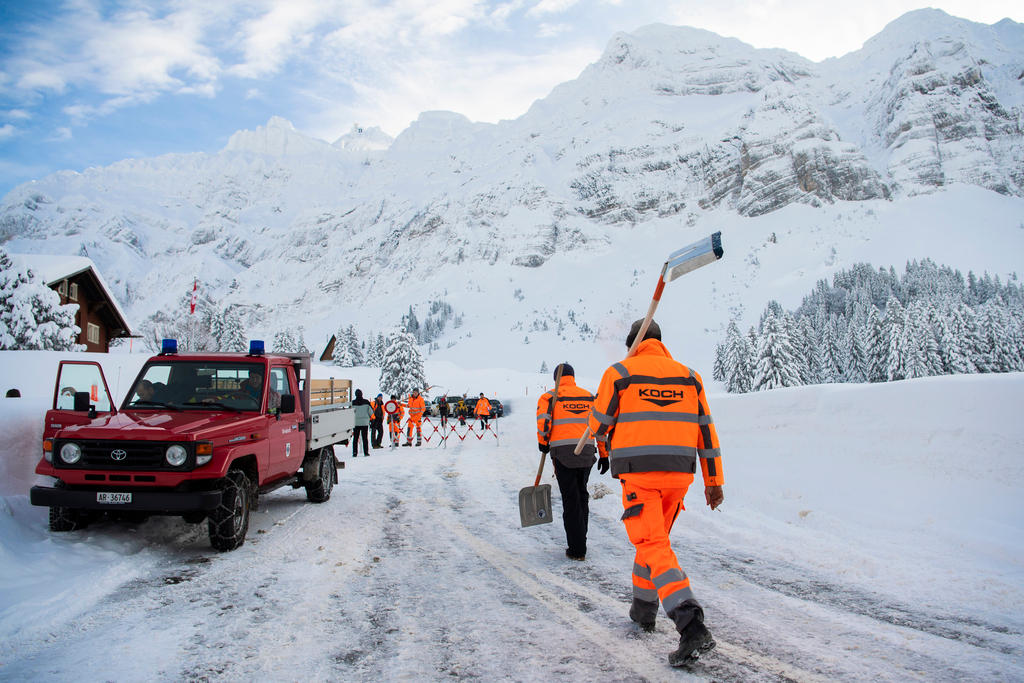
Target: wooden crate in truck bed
x=329, y=392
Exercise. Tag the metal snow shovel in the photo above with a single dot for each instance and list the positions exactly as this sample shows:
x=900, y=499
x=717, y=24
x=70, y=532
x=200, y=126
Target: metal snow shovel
x=679, y=262
x=535, y=501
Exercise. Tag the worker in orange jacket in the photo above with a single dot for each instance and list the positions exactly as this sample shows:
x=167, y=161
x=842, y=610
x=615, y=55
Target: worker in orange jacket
x=560, y=424
x=417, y=406
x=482, y=410
x=395, y=420
x=652, y=425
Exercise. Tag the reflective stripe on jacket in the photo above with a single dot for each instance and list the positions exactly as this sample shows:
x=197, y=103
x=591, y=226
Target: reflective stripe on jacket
x=561, y=426
x=651, y=415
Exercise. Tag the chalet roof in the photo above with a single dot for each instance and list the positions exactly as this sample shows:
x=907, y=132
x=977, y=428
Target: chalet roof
x=53, y=268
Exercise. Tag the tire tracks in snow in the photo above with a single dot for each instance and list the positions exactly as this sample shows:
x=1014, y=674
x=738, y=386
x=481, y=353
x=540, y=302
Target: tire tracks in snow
x=535, y=581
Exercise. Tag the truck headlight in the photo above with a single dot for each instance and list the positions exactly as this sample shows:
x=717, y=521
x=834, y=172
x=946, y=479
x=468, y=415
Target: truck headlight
x=176, y=455
x=71, y=452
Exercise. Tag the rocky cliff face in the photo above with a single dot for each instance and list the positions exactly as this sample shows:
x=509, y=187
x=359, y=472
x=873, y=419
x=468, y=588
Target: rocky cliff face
x=669, y=123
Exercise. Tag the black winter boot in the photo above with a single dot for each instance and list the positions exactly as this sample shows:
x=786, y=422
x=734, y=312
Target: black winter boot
x=644, y=613
x=693, y=641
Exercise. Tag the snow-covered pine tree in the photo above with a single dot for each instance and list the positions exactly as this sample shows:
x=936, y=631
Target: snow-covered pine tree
x=738, y=361
x=857, y=357
x=808, y=349
x=877, y=348
x=343, y=355
x=777, y=363
x=234, y=337
x=832, y=369
x=543, y=367
x=411, y=324
x=355, y=347
x=402, y=366
x=718, y=372
x=31, y=315
x=215, y=323
x=284, y=341
x=895, y=325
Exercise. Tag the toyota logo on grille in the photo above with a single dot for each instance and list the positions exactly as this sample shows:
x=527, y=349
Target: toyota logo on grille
x=118, y=454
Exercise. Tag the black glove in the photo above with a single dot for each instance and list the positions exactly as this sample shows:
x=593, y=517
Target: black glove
x=602, y=465
x=543, y=447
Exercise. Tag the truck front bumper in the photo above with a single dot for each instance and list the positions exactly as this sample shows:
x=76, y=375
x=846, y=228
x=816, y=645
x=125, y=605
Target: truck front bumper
x=155, y=502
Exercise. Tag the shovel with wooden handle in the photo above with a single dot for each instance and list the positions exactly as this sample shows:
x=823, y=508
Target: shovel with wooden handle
x=679, y=262
x=535, y=501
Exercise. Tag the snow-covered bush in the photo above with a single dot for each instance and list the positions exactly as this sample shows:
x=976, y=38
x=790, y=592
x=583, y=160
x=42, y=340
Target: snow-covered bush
x=31, y=315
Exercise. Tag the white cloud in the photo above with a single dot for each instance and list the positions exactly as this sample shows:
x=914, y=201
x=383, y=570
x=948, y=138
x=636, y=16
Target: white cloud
x=7, y=131
x=18, y=115
x=270, y=38
x=61, y=134
x=545, y=7
x=546, y=30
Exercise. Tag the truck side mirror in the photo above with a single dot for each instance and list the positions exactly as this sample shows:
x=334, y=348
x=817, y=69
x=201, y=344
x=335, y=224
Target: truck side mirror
x=81, y=401
x=287, y=403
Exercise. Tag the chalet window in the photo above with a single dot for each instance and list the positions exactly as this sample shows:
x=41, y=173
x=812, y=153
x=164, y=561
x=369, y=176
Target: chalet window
x=73, y=292
x=62, y=288
x=92, y=332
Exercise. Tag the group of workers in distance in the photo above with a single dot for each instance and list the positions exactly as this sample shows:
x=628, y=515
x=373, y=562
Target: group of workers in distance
x=649, y=425
x=370, y=417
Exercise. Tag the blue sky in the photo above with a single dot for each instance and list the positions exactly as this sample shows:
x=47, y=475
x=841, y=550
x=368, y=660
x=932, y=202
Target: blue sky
x=89, y=82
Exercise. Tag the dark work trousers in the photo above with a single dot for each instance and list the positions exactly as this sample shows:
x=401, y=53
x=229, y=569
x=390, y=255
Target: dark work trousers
x=572, y=482
x=376, y=432
x=356, y=434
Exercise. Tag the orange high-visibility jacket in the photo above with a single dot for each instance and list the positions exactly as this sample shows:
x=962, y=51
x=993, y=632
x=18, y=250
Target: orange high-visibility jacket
x=483, y=407
x=416, y=407
x=651, y=415
x=560, y=426
x=564, y=423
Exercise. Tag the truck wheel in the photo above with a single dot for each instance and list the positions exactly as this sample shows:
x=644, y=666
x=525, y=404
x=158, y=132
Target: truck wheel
x=67, y=519
x=319, y=490
x=229, y=521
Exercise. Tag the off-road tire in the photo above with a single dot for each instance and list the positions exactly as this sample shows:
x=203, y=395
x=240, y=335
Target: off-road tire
x=319, y=490
x=67, y=519
x=229, y=521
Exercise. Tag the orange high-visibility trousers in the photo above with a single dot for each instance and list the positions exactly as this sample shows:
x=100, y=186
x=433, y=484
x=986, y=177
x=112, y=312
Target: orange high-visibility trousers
x=408, y=429
x=650, y=511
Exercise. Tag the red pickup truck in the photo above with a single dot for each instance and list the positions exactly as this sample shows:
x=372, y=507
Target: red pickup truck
x=200, y=435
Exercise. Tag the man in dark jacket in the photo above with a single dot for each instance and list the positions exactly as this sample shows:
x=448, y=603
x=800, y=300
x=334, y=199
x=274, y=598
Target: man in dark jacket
x=363, y=411
x=377, y=422
x=561, y=422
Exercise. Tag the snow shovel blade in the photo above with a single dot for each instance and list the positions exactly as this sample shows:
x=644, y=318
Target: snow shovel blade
x=692, y=257
x=535, y=505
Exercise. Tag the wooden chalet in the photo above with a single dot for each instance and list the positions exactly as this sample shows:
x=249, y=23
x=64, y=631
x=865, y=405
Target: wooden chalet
x=77, y=281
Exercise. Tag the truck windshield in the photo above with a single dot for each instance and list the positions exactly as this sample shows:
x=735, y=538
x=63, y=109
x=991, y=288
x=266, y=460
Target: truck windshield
x=197, y=385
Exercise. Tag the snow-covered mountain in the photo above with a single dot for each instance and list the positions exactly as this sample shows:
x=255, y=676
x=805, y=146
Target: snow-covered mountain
x=910, y=147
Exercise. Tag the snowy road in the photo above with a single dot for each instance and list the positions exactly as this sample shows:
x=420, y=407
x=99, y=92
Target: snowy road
x=417, y=569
